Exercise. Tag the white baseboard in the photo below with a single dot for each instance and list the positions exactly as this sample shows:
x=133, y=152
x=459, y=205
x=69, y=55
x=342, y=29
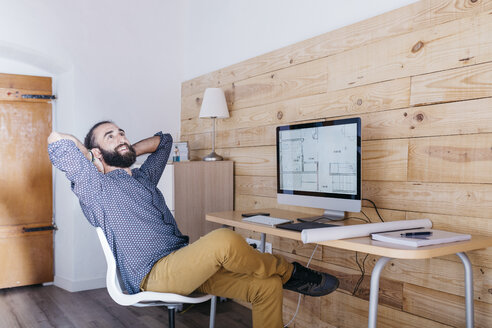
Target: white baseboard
x=80, y=285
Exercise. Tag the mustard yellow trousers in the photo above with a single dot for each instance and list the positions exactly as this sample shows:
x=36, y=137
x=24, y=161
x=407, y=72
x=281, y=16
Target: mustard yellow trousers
x=221, y=263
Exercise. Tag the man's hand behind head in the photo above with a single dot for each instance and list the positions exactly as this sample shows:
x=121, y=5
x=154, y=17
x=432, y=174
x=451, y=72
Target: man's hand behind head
x=96, y=159
x=55, y=136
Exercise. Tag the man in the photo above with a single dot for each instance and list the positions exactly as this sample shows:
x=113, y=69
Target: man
x=150, y=251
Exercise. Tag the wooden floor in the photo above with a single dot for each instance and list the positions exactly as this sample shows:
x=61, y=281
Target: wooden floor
x=37, y=306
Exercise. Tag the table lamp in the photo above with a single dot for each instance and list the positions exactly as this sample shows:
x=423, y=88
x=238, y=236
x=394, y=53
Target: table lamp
x=213, y=106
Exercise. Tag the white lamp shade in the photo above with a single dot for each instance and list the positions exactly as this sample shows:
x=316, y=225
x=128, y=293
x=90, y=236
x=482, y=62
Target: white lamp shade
x=214, y=104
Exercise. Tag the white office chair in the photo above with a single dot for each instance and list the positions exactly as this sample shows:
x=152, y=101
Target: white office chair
x=171, y=301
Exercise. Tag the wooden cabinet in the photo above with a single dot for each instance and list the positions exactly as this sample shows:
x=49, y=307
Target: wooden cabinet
x=200, y=188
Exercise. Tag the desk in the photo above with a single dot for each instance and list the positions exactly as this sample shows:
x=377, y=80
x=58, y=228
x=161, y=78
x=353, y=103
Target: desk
x=367, y=245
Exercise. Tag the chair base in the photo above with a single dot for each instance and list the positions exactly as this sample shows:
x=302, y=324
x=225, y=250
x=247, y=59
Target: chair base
x=171, y=313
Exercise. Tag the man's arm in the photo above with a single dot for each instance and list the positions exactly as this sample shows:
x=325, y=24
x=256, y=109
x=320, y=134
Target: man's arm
x=71, y=157
x=147, y=146
x=55, y=136
x=160, y=147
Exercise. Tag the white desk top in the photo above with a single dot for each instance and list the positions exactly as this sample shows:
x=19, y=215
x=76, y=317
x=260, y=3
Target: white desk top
x=362, y=244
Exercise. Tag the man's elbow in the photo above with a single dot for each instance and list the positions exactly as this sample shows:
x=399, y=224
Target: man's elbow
x=54, y=136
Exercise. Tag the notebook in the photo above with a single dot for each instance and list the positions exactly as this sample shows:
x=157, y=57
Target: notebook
x=437, y=237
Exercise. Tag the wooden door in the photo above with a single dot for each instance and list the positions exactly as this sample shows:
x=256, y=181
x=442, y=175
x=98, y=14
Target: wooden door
x=25, y=182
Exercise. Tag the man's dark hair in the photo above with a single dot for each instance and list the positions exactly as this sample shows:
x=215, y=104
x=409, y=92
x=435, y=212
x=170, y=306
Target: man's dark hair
x=89, y=141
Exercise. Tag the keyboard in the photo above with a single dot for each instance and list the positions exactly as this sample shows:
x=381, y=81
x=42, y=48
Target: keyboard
x=266, y=220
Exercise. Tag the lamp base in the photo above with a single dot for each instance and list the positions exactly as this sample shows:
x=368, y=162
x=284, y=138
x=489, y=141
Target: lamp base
x=212, y=157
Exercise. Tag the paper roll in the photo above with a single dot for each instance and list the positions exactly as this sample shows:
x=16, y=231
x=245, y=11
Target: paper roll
x=360, y=230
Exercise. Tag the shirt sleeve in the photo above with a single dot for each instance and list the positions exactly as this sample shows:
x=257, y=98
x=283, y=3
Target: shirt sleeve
x=84, y=177
x=156, y=162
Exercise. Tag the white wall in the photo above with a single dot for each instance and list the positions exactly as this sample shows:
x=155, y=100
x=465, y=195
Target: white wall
x=119, y=60
x=124, y=60
x=220, y=33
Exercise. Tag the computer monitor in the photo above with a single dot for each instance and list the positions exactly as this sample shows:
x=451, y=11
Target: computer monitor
x=319, y=165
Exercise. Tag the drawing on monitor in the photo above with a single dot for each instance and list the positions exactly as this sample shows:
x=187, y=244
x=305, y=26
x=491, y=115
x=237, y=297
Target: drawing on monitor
x=318, y=165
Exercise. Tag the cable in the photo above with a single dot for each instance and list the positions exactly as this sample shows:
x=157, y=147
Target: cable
x=375, y=207
x=362, y=269
x=356, y=218
x=366, y=216
x=299, y=299
x=323, y=218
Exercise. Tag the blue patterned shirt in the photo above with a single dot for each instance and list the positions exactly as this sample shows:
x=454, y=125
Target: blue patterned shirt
x=137, y=223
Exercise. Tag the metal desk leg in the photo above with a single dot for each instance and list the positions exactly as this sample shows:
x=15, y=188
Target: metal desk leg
x=262, y=242
x=373, y=296
x=213, y=309
x=468, y=289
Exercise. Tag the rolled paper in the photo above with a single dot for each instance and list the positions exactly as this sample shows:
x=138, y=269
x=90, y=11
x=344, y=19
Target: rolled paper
x=360, y=230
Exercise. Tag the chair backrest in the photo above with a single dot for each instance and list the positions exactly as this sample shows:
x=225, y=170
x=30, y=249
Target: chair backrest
x=113, y=279
x=116, y=288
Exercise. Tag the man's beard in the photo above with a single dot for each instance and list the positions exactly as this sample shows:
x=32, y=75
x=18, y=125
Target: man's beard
x=114, y=158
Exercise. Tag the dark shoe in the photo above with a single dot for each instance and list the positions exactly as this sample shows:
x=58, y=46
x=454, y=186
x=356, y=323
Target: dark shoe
x=310, y=282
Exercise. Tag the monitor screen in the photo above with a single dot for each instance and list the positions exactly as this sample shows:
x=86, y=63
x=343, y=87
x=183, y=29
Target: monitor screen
x=318, y=164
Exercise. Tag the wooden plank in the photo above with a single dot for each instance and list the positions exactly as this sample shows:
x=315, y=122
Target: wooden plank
x=199, y=140
x=439, y=198
x=342, y=310
x=297, y=81
x=443, y=307
x=309, y=313
x=452, y=85
x=37, y=83
x=256, y=136
x=385, y=160
x=365, y=99
x=462, y=158
x=29, y=262
x=10, y=94
x=419, y=15
x=457, y=118
x=26, y=193
x=256, y=185
x=382, y=160
x=439, y=274
x=433, y=49
x=197, y=125
x=257, y=161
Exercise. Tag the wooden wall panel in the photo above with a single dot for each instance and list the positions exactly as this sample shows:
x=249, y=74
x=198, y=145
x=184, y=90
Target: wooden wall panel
x=437, y=48
x=420, y=15
x=385, y=160
x=419, y=79
x=461, y=158
x=365, y=99
x=456, y=84
x=456, y=118
x=296, y=81
x=343, y=310
x=443, y=307
x=442, y=198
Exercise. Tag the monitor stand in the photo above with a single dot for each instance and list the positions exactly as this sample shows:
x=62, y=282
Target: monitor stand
x=331, y=215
